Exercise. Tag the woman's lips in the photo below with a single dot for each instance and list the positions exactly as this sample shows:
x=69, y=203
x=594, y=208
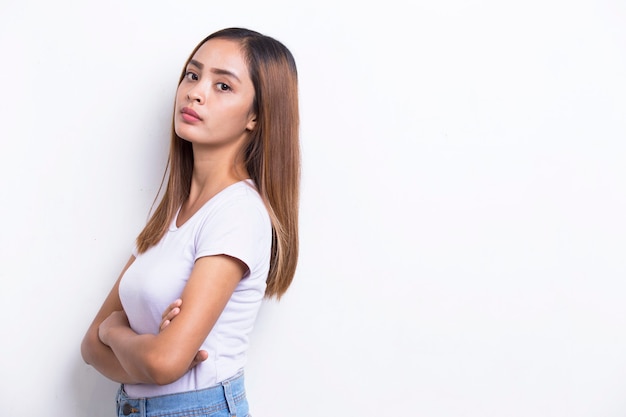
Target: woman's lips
x=189, y=115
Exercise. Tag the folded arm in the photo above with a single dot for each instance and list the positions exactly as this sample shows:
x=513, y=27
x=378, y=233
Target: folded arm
x=165, y=357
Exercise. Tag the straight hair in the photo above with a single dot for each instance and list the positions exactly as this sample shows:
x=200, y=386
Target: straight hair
x=271, y=155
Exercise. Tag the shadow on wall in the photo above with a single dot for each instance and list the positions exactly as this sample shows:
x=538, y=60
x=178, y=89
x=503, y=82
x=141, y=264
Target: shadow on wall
x=94, y=394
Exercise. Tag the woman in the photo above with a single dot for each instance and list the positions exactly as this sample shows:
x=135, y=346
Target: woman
x=174, y=329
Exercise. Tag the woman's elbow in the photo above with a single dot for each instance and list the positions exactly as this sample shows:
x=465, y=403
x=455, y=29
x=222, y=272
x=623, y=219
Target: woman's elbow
x=87, y=349
x=162, y=377
x=164, y=369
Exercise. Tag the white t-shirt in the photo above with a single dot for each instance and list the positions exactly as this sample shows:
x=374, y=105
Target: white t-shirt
x=234, y=222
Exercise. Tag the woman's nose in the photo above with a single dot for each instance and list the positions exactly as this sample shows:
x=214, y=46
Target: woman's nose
x=195, y=94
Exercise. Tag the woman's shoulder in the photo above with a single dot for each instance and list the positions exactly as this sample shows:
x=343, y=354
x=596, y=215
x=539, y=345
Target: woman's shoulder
x=236, y=200
x=242, y=192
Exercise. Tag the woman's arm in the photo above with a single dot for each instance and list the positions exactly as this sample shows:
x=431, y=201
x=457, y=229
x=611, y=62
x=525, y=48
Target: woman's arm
x=96, y=353
x=100, y=356
x=165, y=357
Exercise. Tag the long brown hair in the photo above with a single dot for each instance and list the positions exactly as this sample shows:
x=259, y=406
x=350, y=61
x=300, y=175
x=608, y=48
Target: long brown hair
x=272, y=154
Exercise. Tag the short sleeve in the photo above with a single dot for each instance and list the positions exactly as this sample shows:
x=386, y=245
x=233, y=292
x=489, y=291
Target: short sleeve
x=239, y=228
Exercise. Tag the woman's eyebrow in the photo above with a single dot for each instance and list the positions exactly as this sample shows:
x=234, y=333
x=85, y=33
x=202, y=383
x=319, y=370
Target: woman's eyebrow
x=220, y=71
x=196, y=64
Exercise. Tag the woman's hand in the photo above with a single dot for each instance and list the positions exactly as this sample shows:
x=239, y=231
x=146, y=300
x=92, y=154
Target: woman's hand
x=166, y=318
x=170, y=312
x=115, y=319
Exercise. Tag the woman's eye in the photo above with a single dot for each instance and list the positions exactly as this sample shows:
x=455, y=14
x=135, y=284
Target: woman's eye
x=191, y=76
x=223, y=87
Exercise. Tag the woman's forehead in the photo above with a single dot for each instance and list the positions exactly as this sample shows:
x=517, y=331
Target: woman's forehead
x=224, y=51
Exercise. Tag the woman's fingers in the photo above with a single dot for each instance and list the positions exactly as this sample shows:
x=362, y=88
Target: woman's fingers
x=170, y=312
x=201, y=356
x=175, y=304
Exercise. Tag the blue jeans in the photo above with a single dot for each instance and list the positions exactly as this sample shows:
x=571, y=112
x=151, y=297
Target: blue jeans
x=225, y=400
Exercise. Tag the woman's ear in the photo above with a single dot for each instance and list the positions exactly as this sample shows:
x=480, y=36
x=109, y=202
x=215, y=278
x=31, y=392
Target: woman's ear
x=251, y=123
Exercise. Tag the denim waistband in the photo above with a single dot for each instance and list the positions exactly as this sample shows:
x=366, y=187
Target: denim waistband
x=225, y=396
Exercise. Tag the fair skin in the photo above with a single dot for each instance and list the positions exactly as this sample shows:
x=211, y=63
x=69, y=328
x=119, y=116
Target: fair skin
x=213, y=111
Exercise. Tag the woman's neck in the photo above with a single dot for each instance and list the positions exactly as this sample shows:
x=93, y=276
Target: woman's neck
x=212, y=172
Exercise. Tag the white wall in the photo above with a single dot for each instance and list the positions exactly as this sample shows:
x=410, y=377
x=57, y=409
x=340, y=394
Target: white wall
x=463, y=227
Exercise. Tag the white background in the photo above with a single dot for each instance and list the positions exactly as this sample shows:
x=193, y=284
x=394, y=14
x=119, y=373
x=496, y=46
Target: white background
x=463, y=201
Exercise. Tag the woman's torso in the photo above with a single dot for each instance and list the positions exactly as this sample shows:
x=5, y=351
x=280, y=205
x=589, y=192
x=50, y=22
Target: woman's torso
x=235, y=222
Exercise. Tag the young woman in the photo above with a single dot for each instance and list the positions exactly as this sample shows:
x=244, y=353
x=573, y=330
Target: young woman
x=174, y=329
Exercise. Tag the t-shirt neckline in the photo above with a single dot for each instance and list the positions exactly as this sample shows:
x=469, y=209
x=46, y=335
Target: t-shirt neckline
x=174, y=228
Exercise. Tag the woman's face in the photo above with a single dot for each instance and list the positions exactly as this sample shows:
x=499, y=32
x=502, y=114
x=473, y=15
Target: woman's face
x=214, y=99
